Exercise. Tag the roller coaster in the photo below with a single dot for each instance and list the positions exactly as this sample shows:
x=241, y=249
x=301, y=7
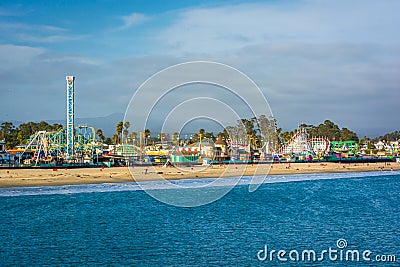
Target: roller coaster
x=301, y=144
x=52, y=148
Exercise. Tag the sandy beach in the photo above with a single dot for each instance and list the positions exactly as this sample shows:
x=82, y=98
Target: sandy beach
x=43, y=177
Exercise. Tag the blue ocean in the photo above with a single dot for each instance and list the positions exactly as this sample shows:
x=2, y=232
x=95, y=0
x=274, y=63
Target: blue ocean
x=348, y=219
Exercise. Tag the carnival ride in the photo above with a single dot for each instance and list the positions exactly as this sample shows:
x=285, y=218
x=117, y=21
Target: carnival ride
x=43, y=147
x=319, y=145
x=71, y=145
x=52, y=147
x=300, y=145
x=349, y=147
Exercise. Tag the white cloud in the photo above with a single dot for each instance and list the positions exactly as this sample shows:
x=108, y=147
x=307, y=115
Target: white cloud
x=62, y=59
x=227, y=28
x=23, y=37
x=15, y=56
x=133, y=20
x=4, y=26
x=21, y=32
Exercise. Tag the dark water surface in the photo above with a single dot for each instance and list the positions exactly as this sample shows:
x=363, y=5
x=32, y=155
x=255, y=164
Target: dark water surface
x=101, y=225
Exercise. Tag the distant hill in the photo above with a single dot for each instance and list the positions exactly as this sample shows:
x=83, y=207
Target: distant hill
x=106, y=124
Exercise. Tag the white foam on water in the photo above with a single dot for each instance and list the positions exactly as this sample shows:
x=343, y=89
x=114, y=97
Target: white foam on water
x=182, y=183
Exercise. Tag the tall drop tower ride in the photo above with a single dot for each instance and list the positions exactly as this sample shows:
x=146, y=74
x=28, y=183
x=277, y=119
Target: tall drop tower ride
x=70, y=115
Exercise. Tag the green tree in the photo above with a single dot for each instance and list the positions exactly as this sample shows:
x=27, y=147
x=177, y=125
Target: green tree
x=118, y=131
x=347, y=135
x=9, y=134
x=279, y=137
x=57, y=127
x=132, y=138
x=200, y=135
x=230, y=133
x=266, y=128
x=286, y=136
x=108, y=141
x=115, y=139
x=6, y=128
x=147, y=134
x=224, y=134
x=209, y=135
x=20, y=137
x=26, y=130
x=249, y=131
x=175, y=138
x=100, y=134
x=393, y=136
x=127, y=124
x=329, y=130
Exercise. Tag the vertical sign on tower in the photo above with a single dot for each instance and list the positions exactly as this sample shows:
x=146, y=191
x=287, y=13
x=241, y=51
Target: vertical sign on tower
x=70, y=115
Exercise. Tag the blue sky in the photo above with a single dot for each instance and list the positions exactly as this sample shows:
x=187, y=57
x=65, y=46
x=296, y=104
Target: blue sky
x=313, y=59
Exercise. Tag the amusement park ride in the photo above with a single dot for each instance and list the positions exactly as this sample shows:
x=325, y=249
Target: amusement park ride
x=52, y=147
x=71, y=145
x=301, y=146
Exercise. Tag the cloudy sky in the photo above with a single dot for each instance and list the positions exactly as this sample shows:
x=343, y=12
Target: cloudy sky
x=312, y=59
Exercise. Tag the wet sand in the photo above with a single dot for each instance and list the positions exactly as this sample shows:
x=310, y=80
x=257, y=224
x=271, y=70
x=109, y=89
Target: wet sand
x=45, y=177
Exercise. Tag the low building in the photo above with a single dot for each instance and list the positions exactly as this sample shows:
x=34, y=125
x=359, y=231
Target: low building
x=202, y=149
x=221, y=149
x=2, y=152
x=2, y=146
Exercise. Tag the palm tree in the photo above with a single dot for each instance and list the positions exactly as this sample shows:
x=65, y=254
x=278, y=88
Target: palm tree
x=175, y=138
x=115, y=139
x=132, y=137
x=99, y=133
x=278, y=137
x=126, y=131
x=201, y=133
x=146, y=135
x=118, y=130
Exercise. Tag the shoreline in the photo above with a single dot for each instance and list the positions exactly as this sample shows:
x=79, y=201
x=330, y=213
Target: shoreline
x=59, y=177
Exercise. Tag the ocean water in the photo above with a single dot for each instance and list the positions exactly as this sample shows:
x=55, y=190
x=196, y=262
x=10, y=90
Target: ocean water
x=120, y=224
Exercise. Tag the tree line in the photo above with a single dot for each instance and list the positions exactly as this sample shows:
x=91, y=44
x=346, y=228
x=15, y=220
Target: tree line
x=330, y=130
x=19, y=135
x=255, y=131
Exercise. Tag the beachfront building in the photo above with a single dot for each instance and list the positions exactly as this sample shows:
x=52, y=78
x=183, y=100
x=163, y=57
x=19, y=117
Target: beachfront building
x=239, y=151
x=2, y=152
x=193, y=153
x=221, y=149
x=205, y=149
x=2, y=146
x=344, y=147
